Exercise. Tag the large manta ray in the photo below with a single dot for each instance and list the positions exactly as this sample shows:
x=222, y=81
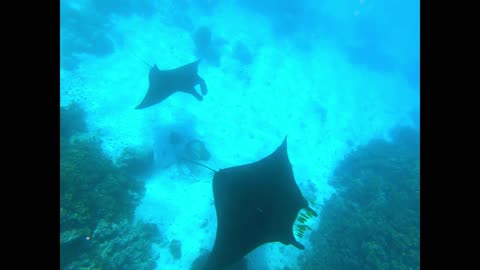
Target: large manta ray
x=163, y=83
x=256, y=203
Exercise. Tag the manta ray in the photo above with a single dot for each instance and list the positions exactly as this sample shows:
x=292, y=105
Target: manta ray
x=163, y=83
x=256, y=203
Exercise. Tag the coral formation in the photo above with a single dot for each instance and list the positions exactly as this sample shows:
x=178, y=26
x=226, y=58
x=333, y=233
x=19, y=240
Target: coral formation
x=97, y=203
x=372, y=221
x=136, y=161
x=72, y=120
x=124, y=245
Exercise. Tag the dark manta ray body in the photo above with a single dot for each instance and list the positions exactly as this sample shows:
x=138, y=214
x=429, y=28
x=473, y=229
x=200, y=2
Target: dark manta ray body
x=163, y=83
x=256, y=203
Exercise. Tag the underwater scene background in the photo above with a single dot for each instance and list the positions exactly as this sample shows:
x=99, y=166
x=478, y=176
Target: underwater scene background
x=339, y=78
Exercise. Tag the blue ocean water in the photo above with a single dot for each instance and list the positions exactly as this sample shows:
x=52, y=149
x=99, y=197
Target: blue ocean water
x=330, y=75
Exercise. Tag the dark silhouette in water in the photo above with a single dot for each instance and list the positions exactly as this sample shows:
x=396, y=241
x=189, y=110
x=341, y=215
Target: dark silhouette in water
x=163, y=83
x=256, y=203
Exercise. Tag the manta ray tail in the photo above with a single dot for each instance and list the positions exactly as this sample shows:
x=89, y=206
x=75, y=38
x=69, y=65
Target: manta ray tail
x=150, y=66
x=200, y=164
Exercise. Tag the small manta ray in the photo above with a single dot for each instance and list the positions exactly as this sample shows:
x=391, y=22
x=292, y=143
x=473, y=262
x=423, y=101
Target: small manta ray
x=256, y=203
x=163, y=83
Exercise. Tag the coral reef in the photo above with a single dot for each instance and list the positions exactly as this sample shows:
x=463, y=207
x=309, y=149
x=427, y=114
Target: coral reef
x=92, y=187
x=97, y=203
x=120, y=245
x=124, y=245
x=373, y=219
x=72, y=120
x=136, y=161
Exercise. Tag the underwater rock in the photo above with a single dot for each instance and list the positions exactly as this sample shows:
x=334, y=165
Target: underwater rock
x=176, y=249
x=136, y=161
